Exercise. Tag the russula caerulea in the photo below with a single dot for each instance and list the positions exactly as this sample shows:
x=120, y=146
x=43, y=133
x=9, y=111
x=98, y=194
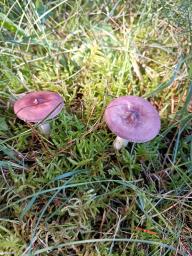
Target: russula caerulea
x=38, y=107
x=133, y=119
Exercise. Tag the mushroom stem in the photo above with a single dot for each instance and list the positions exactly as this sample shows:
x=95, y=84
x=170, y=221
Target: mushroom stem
x=119, y=143
x=45, y=128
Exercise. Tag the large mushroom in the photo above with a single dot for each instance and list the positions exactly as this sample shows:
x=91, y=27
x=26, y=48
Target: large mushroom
x=38, y=107
x=133, y=119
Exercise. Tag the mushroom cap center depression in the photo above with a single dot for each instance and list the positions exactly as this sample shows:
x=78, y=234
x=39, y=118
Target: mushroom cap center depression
x=38, y=101
x=131, y=116
x=127, y=115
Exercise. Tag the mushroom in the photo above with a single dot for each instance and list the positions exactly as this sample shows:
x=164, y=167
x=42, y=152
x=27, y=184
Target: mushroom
x=133, y=119
x=38, y=107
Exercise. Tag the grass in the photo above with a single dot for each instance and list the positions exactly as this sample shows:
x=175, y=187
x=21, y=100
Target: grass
x=72, y=194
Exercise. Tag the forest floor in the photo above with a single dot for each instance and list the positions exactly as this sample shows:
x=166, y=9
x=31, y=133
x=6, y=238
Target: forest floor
x=72, y=193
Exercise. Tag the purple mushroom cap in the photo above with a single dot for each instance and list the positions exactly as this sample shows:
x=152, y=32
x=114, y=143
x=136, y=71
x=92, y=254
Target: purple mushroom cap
x=36, y=106
x=132, y=118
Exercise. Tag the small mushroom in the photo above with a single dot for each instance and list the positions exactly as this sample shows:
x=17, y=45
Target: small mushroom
x=133, y=119
x=38, y=107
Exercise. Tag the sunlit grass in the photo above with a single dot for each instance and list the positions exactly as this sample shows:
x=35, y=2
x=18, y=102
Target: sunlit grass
x=72, y=194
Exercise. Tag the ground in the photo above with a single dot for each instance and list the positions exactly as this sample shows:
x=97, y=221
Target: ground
x=72, y=193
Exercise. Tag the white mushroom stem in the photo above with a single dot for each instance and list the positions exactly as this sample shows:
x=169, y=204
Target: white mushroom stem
x=119, y=143
x=45, y=128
